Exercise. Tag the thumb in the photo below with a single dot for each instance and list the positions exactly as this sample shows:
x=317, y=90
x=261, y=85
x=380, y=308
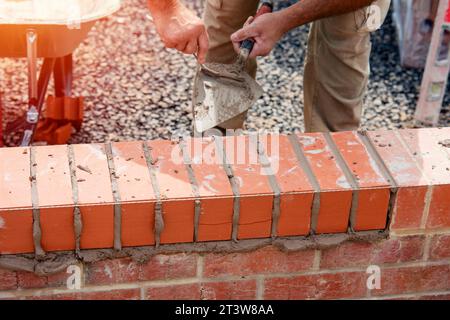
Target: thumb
x=244, y=33
x=249, y=21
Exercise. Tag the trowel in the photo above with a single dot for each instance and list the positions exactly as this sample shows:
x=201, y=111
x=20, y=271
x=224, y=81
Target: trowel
x=224, y=91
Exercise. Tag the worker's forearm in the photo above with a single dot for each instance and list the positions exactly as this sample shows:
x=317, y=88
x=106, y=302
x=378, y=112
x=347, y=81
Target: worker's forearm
x=306, y=11
x=158, y=7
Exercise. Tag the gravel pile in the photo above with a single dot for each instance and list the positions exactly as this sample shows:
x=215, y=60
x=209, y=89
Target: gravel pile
x=135, y=89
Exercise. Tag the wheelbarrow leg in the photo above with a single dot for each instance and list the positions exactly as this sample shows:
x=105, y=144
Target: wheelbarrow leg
x=42, y=85
x=63, y=76
x=63, y=108
x=1, y=122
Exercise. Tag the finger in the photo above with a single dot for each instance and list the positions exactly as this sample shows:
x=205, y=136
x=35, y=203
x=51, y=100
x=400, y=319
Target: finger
x=260, y=50
x=191, y=47
x=181, y=46
x=203, y=46
x=245, y=33
x=237, y=46
x=249, y=21
x=169, y=44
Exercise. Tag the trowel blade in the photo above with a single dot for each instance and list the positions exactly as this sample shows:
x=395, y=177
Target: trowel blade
x=217, y=100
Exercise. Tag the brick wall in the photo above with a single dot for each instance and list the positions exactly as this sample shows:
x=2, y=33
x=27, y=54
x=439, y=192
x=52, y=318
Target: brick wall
x=223, y=230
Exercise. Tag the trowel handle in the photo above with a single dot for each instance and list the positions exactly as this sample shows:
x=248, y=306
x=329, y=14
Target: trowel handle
x=266, y=7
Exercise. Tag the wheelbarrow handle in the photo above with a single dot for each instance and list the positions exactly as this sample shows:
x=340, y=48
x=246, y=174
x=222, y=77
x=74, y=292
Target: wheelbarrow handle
x=266, y=7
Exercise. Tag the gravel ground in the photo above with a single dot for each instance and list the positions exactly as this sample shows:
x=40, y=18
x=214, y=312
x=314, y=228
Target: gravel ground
x=136, y=89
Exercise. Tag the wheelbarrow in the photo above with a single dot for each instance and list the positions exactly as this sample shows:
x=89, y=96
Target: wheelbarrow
x=52, y=30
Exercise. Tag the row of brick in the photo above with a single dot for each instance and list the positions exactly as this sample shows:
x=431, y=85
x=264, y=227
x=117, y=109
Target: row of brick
x=137, y=194
x=409, y=265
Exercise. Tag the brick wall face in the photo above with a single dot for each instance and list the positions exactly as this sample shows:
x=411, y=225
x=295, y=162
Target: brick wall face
x=350, y=183
x=409, y=270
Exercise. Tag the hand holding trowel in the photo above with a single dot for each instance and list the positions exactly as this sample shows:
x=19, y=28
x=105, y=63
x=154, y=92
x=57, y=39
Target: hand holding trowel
x=223, y=91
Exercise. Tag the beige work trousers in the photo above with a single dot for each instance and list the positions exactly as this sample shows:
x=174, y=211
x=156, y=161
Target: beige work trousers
x=337, y=63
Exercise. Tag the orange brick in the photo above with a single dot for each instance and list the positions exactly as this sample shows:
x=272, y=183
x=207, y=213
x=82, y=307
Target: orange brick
x=336, y=192
x=16, y=217
x=176, y=192
x=94, y=196
x=374, y=190
x=136, y=193
x=54, y=189
x=296, y=191
x=440, y=202
x=434, y=160
x=214, y=188
x=439, y=216
x=256, y=195
x=412, y=184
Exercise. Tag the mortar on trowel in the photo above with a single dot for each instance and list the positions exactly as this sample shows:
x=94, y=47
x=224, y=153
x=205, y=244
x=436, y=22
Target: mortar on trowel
x=224, y=91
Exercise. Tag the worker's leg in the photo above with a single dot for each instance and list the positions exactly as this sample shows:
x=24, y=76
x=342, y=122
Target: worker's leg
x=337, y=68
x=222, y=19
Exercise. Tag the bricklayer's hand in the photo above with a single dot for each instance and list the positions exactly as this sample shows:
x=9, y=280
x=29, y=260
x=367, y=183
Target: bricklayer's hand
x=179, y=28
x=266, y=30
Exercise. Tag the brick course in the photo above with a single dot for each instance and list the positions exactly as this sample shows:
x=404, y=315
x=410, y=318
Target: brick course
x=318, y=184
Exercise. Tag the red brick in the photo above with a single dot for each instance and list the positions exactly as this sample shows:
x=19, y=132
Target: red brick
x=54, y=189
x=162, y=267
x=94, y=196
x=8, y=280
x=409, y=207
x=439, y=215
x=216, y=218
x=27, y=280
x=440, y=247
x=16, y=232
x=112, y=272
x=336, y=192
x=317, y=286
x=136, y=194
x=176, y=192
x=374, y=190
x=414, y=279
x=58, y=279
x=434, y=297
x=296, y=191
x=433, y=159
x=431, y=156
x=126, y=294
x=229, y=290
x=263, y=261
x=351, y=254
x=412, y=183
x=36, y=297
x=217, y=198
x=175, y=292
x=256, y=194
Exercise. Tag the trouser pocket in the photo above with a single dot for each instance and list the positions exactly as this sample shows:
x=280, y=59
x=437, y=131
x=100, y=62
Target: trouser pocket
x=371, y=18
